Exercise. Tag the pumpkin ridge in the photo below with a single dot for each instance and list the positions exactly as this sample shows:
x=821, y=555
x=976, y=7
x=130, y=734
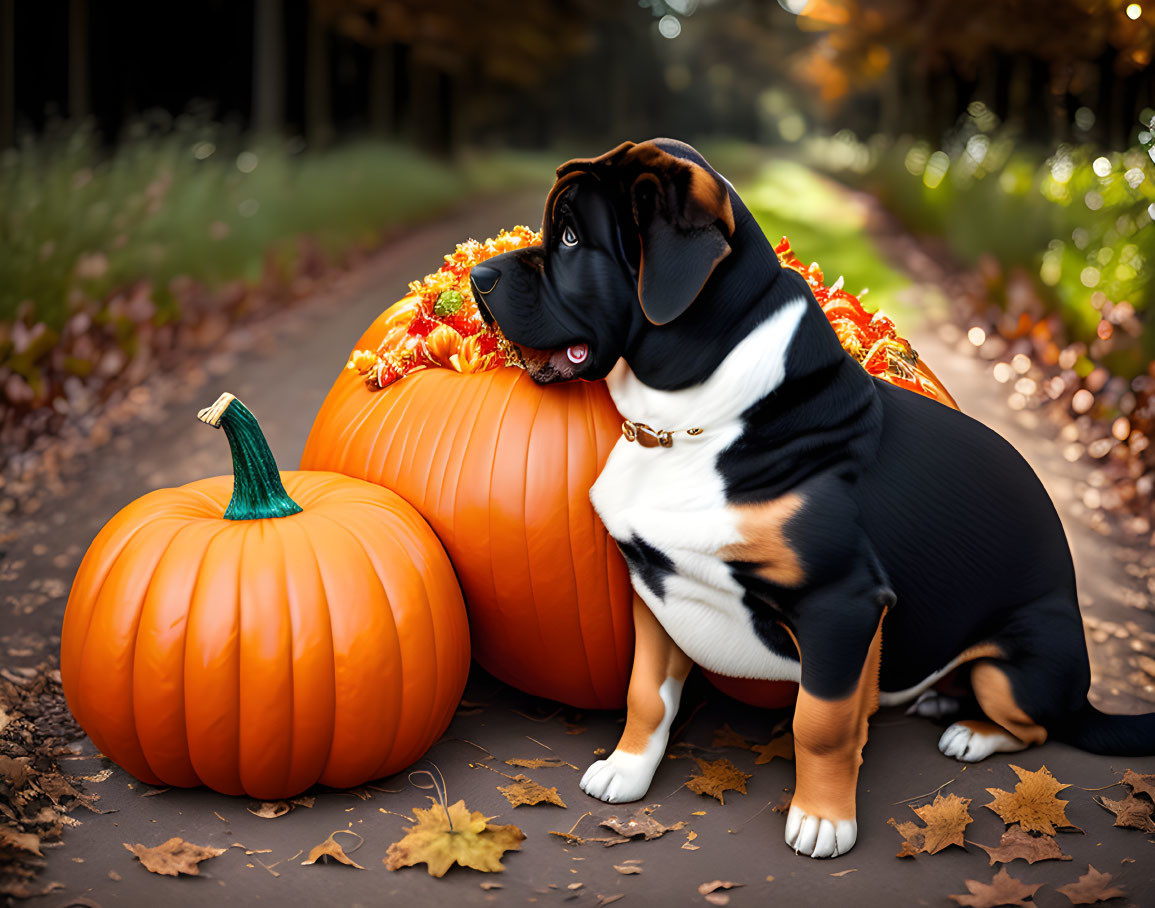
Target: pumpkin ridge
x=398, y=706
x=447, y=450
x=292, y=684
x=184, y=686
x=351, y=432
x=85, y=649
x=493, y=463
x=525, y=525
x=464, y=458
x=570, y=541
x=132, y=649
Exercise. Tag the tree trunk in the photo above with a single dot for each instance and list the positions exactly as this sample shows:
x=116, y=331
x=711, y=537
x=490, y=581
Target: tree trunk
x=77, y=59
x=268, y=67
x=318, y=107
x=381, y=88
x=7, y=73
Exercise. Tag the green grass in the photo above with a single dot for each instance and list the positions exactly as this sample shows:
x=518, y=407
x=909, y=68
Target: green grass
x=78, y=224
x=826, y=225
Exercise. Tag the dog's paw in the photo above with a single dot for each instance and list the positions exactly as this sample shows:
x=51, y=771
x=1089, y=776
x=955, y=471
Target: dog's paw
x=933, y=705
x=620, y=777
x=970, y=742
x=817, y=837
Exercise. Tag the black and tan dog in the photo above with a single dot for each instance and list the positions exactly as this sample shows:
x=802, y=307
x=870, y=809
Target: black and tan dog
x=784, y=514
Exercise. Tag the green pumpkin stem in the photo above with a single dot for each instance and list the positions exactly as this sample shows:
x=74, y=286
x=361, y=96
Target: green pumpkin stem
x=257, y=488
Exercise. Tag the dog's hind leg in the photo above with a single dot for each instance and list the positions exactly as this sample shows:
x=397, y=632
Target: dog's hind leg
x=1044, y=679
x=660, y=669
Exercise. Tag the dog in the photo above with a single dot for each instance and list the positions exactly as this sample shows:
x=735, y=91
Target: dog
x=784, y=514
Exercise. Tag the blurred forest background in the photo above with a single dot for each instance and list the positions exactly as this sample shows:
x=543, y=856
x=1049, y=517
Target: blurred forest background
x=168, y=169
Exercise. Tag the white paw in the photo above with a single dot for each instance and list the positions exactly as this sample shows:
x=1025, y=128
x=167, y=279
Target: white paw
x=620, y=777
x=933, y=705
x=971, y=745
x=819, y=838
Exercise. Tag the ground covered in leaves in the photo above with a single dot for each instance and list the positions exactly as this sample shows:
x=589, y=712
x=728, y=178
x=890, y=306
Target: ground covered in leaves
x=495, y=816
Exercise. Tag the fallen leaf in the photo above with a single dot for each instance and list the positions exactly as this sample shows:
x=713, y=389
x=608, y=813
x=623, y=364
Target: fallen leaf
x=604, y=900
x=1033, y=804
x=444, y=836
x=329, y=848
x=488, y=885
x=698, y=813
x=1131, y=812
x=783, y=805
x=727, y=737
x=575, y=886
x=717, y=777
x=152, y=793
x=718, y=898
x=538, y=762
x=1140, y=783
x=714, y=885
x=945, y=819
x=303, y=801
x=627, y=868
x=1090, y=888
x=174, y=857
x=525, y=791
x=844, y=872
x=114, y=876
x=640, y=823
x=27, y=842
x=1003, y=889
x=686, y=846
x=270, y=810
x=782, y=746
x=1018, y=844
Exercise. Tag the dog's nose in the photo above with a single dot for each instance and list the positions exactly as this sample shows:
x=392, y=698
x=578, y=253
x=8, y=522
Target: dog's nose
x=484, y=278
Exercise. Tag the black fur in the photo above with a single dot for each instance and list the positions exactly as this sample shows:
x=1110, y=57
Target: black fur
x=908, y=505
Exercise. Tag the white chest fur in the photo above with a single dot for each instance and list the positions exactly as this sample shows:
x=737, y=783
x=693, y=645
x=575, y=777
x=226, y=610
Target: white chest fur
x=674, y=499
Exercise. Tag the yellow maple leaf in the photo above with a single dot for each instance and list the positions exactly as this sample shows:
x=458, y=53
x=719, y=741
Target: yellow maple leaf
x=444, y=836
x=1033, y=804
x=716, y=777
x=945, y=821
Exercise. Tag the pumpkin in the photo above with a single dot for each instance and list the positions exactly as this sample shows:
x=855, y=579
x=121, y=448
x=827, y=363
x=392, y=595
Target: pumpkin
x=262, y=632
x=431, y=404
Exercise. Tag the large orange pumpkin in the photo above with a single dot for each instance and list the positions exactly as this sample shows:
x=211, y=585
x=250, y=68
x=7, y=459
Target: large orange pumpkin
x=501, y=468
x=259, y=637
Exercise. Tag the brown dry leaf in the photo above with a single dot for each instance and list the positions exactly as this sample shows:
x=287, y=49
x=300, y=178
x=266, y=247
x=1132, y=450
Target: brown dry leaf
x=718, y=898
x=538, y=762
x=640, y=823
x=844, y=872
x=1003, y=889
x=1033, y=804
x=330, y=848
x=11, y=841
x=782, y=746
x=444, y=836
x=525, y=791
x=1140, y=783
x=690, y=836
x=1131, y=812
x=270, y=810
x=303, y=801
x=714, y=885
x=717, y=777
x=604, y=900
x=727, y=737
x=945, y=819
x=176, y=856
x=1018, y=844
x=1090, y=888
x=627, y=868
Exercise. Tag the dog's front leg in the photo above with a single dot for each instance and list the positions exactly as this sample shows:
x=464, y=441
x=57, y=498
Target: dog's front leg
x=660, y=669
x=830, y=732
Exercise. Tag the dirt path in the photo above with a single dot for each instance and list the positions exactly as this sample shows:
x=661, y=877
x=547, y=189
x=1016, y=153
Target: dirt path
x=283, y=375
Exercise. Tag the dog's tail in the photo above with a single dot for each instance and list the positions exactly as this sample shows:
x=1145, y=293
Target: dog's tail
x=1100, y=733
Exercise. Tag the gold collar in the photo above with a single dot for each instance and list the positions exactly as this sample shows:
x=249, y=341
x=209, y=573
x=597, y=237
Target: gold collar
x=652, y=438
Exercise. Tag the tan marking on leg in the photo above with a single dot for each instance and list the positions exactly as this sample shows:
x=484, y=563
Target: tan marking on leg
x=992, y=689
x=828, y=739
x=764, y=543
x=656, y=658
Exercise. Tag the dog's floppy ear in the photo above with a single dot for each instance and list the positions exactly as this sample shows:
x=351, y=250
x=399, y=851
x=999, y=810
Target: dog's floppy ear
x=684, y=220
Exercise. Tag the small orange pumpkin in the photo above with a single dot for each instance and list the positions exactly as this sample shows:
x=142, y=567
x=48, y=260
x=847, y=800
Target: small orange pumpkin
x=312, y=631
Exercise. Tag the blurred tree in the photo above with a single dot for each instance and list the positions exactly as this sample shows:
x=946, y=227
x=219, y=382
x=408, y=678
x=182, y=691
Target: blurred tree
x=7, y=72
x=268, y=66
x=1031, y=61
x=78, y=59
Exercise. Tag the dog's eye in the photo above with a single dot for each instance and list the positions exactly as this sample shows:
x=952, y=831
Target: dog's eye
x=568, y=237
